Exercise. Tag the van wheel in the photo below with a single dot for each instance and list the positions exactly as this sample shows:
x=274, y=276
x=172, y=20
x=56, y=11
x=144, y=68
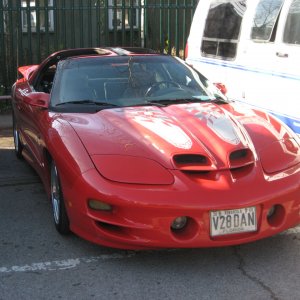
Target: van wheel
x=60, y=216
x=17, y=142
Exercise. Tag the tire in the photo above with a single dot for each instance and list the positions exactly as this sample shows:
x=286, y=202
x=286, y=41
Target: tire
x=60, y=216
x=17, y=142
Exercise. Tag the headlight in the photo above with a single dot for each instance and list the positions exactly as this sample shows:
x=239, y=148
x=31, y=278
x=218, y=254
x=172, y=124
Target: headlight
x=280, y=155
x=179, y=223
x=132, y=169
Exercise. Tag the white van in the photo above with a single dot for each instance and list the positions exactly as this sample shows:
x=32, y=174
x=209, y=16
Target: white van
x=253, y=47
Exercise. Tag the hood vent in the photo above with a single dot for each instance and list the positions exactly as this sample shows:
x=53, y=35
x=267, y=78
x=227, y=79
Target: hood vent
x=193, y=162
x=186, y=159
x=200, y=163
x=241, y=158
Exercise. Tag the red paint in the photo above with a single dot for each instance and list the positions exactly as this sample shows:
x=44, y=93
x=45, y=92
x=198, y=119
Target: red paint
x=119, y=156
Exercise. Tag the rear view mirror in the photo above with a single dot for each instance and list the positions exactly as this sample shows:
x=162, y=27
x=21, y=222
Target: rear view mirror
x=220, y=86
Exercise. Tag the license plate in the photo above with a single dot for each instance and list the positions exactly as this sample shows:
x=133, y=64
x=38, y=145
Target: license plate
x=232, y=221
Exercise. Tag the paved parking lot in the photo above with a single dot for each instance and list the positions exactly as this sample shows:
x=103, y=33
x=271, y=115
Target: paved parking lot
x=37, y=263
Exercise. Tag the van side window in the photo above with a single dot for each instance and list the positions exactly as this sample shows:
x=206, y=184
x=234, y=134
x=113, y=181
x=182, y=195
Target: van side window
x=265, y=20
x=222, y=28
x=292, y=26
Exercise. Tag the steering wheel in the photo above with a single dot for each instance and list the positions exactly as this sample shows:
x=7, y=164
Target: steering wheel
x=156, y=85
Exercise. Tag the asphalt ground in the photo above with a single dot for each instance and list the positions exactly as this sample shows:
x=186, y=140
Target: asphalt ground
x=12, y=172
x=37, y=263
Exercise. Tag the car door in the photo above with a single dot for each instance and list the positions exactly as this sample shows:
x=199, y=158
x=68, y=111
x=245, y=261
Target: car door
x=22, y=113
x=32, y=123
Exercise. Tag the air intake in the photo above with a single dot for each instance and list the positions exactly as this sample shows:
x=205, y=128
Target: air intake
x=193, y=162
x=241, y=158
x=188, y=159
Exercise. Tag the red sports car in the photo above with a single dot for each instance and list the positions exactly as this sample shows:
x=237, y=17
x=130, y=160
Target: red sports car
x=138, y=150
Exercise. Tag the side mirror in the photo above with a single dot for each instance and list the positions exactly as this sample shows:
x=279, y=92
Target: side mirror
x=220, y=86
x=37, y=99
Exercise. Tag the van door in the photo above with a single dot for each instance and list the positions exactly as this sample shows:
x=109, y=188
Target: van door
x=287, y=64
x=271, y=55
x=258, y=51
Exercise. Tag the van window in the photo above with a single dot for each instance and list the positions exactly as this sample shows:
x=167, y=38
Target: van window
x=292, y=26
x=265, y=20
x=222, y=28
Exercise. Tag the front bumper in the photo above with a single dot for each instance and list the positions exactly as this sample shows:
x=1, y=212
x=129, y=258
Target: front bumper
x=142, y=215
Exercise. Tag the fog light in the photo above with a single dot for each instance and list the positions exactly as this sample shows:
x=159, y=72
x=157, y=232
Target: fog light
x=271, y=212
x=99, y=205
x=179, y=223
x=276, y=215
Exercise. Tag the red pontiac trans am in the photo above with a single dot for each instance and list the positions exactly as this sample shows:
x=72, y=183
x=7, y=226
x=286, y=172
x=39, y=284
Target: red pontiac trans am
x=138, y=150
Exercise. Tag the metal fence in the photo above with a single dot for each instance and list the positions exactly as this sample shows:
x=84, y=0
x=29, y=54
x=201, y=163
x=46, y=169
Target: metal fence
x=32, y=29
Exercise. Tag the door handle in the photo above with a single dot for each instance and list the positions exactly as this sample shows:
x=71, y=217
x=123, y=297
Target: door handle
x=281, y=54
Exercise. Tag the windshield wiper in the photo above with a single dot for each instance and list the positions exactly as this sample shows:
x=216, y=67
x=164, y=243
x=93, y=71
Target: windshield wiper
x=165, y=102
x=220, y=100
x=87, y=101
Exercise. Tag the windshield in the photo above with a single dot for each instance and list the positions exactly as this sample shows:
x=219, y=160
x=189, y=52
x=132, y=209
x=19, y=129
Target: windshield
x=128, y=81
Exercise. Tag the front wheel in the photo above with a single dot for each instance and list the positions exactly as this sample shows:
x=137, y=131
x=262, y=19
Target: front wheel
x=17, y=142
x=60, y=216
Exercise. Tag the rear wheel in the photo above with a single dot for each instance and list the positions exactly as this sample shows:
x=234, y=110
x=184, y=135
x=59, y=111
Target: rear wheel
x=60, y=216
x=17, y=142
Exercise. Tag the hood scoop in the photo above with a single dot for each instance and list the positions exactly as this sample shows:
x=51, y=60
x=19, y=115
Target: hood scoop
x=240, y=158
x=200, y=163
x=193, y=162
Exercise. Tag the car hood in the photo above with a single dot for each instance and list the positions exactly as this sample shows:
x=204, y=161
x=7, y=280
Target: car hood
x=197, y=136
